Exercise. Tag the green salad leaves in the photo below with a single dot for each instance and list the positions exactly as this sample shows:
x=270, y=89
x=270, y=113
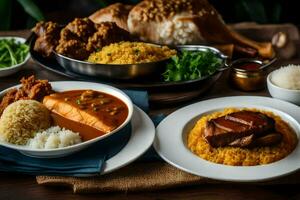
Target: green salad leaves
x=189, y=65
x=12, y=52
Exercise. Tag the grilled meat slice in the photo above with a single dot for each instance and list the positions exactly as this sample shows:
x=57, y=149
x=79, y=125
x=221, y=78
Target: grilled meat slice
x=268, y=140
x=238, y=129
x=254, y=119
x=251, y=141
x=222, y=132
x=243, y=142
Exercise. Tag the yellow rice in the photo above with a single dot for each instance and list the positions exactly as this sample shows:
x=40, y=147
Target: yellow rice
x=131, y=53
x=242, y=156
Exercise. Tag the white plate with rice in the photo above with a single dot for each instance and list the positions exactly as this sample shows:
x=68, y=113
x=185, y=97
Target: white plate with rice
x=142, y=136
x=171, y=140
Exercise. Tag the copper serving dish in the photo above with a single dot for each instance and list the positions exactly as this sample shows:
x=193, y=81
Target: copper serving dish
x=249, y=79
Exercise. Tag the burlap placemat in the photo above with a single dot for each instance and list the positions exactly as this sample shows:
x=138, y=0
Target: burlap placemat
x=143, y=176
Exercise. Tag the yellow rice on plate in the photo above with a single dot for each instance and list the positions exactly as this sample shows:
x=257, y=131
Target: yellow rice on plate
x=242, y=156
x=131, y=53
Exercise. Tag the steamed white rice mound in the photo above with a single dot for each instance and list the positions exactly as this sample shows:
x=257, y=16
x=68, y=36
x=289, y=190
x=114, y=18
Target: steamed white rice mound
x=54, y=137
x=287, y=77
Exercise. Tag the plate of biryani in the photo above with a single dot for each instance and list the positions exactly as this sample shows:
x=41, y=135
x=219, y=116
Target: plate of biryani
x=54, y=119
x=242, y=138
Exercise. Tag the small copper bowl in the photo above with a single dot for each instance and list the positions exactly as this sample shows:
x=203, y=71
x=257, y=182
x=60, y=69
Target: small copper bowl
x=249, y=74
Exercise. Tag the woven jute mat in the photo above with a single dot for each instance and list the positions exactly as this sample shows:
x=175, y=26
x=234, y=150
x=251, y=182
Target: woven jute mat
x=143, y=176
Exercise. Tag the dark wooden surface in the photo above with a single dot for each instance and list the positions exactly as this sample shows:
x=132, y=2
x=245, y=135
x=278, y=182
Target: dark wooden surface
x=15, y=186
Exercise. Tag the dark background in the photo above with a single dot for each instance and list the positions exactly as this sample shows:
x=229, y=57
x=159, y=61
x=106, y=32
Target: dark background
x=62, y=11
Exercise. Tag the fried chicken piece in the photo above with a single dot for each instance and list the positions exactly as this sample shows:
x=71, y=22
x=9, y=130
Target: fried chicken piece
x=74, y=37
x=107, y=33
x=81, y=37
x=35, y=89
x=7, y=99
x=83, y=28
x=30, y=89
x=73, y=49
x=47, y=37
x=46, y=28
x=70, y=45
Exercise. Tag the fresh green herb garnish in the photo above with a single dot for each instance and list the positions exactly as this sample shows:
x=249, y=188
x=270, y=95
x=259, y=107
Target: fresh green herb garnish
x=189, y=65
x=12, y=52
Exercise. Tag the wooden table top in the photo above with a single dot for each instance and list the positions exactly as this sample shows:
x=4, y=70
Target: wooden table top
x=15, y=186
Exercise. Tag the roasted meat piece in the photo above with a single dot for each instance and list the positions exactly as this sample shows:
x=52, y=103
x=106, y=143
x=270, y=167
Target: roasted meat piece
x=76, y=44
x=116, y=12
x=176, y=22
x=78, y=39
x=47, y=37
x=107, y=33
x=74, y=37
x=72, y=46
x=46, y=28
x=74, y=49
x=241, y=129
x=30, y=89
x=83, y=28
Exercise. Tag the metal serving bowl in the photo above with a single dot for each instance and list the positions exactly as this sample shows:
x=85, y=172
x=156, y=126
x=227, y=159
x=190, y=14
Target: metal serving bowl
x=116, y=71
x=249, y=80
x=128, y=71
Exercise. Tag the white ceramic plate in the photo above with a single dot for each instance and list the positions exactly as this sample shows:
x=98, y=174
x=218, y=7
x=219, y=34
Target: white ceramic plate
x=170, y=141
x=142, y=136
x=75, y=85
x=139, y=121
x=13, y=69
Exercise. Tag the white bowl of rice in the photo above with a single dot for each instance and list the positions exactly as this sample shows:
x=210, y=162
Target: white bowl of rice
x=284, y=83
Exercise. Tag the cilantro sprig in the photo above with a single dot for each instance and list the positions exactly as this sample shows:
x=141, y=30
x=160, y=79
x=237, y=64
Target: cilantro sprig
x=189, y=65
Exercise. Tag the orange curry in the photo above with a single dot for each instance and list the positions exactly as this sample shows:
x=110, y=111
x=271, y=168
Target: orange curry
x=91, y=113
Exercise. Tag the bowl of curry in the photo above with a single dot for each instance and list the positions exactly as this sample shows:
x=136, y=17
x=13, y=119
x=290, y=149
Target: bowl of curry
x=89, y=112
x=93, y=111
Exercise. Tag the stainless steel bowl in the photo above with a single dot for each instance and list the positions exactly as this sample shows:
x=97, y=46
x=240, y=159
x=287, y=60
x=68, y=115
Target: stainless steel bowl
x=116, y=71
x=129, y=71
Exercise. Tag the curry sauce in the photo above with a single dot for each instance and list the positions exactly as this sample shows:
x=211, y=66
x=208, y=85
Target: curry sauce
x=91, y=113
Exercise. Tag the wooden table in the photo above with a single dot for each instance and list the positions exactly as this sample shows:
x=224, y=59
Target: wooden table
x=15, y=186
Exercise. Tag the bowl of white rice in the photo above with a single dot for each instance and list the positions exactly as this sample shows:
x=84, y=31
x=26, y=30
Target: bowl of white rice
x=284, y=83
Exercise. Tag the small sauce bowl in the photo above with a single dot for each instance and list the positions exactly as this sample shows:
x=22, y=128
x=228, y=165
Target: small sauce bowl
x=249, y=74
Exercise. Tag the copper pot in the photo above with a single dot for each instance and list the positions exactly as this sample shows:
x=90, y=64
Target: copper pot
x=251, y=77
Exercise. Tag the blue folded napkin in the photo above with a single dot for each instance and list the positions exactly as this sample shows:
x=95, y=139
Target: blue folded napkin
x=87, y=162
